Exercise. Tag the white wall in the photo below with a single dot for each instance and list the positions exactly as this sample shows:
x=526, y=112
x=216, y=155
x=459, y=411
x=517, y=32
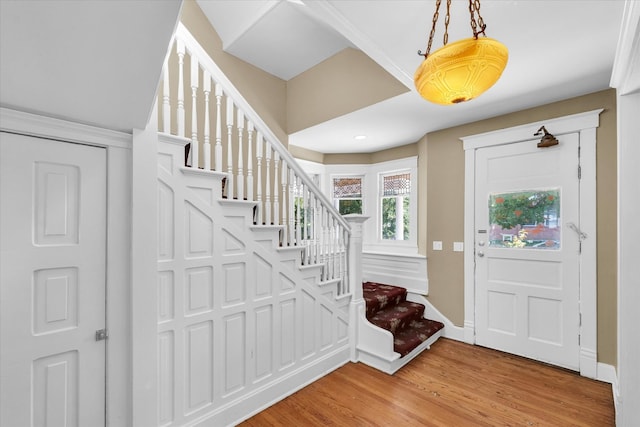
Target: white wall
x=628, y=256
x=626, y=79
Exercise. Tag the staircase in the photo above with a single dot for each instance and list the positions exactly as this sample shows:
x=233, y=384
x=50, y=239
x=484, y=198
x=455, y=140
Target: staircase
x=259, y=276
x=387, y=308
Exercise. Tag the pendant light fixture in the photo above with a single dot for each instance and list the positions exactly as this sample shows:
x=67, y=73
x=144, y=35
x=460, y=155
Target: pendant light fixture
x=464, y=69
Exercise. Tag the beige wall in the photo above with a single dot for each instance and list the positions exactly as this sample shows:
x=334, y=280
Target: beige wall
x=266, y=93
x=343, y=83
x=442, y=157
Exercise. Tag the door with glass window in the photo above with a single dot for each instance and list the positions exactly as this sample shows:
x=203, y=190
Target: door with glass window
x=527, y=250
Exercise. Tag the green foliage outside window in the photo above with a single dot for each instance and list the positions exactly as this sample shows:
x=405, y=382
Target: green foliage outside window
x=389, y=218
x=530, y=207
x=350, y=206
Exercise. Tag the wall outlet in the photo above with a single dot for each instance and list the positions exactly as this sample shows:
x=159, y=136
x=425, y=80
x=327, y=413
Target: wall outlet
x=437, y=246
x=458, y=246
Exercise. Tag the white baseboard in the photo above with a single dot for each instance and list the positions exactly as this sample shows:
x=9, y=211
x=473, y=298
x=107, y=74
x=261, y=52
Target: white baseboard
x=608, y=374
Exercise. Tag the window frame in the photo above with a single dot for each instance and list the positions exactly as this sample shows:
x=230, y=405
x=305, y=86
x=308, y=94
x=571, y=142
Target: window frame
x=362, y=198
x=381, y=173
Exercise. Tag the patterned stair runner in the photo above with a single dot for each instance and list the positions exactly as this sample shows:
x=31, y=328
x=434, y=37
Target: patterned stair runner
x=388, y=308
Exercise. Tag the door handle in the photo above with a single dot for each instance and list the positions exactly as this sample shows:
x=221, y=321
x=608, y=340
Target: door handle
x=582, y=235
x=480, y=254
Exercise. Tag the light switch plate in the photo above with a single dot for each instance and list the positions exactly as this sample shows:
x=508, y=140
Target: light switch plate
x=437, y=245
x=458, y=246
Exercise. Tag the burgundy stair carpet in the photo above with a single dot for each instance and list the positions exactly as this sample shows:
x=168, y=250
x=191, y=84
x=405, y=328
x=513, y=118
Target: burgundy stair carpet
x=388, y=308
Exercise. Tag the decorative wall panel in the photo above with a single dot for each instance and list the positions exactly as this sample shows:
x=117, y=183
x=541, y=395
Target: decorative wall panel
x=234, y=283
x=166, y=377
x=198, y=290
x=309, y=331
x=166, y=241
x=263, y=277
x=231, y=244
x=263, y=355
x=287, y=333
x=199, y=366
x=234, y=352
x=199, y=230
x=166, y=297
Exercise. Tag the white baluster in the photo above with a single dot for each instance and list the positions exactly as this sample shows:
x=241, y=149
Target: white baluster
x=292, y=206
x=325, y=242
x=166, y=100
x=195, y=146
x=267, y=205
x=206, y=84
x=180, y=112
x=314, y=229
x=306, y=221
x=218, y=148
x=343, y=259
x=298, y=201
x=259, y=207
x=276, y=190
x=250, y=195
x=332, y=249
x=240, y=181
x=285, y=203
x=229, y=148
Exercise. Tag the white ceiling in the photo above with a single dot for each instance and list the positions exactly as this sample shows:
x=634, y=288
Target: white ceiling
x=557, y=49
x=94, y=62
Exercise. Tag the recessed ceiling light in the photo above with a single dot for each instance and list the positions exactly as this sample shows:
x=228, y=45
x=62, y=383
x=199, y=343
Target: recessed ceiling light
x=360, y=137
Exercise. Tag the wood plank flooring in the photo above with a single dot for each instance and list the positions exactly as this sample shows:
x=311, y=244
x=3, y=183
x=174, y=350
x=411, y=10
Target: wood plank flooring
x=453, y=384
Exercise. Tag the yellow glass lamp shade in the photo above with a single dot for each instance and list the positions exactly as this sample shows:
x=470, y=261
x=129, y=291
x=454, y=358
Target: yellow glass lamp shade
x=462, y=70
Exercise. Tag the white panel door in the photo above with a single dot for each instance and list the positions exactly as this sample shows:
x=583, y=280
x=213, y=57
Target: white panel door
x=526, y=249
x=52, y=270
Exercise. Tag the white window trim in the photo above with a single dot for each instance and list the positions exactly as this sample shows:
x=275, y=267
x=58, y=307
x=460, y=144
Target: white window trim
x=373, y=241
x=349, y=175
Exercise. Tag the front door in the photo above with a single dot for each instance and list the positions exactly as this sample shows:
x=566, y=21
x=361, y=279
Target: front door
x=52, y=270
x=527, y=250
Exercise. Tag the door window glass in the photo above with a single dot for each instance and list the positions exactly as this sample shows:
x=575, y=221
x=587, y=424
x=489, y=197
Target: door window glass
x=525, y=219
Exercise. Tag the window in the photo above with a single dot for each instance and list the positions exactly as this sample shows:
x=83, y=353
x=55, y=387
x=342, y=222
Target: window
x=395, y=204
x=347, y=195
x=525, y=219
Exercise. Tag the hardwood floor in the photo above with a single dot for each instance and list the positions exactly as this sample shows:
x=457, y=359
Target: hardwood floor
x=453, y=384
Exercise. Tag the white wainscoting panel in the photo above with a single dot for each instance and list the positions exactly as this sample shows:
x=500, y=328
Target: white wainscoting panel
x=240, y=325
x=407, y=271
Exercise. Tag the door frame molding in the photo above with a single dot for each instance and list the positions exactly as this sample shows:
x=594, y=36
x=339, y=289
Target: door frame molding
x=118, y=147
x=585, y=125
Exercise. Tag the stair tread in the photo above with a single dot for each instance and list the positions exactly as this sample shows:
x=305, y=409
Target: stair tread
x=377, y=296
x=398, y=316
x=415, y=334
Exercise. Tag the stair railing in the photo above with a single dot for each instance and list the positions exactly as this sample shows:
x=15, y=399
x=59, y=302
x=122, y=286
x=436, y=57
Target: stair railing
x=247, y=150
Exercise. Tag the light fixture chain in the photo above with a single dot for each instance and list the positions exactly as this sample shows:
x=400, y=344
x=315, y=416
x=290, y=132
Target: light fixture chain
x=474, y=8
x=436, y=15
x=445, y=39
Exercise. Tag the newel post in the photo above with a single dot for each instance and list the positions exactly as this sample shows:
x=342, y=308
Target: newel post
x=354, y=263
